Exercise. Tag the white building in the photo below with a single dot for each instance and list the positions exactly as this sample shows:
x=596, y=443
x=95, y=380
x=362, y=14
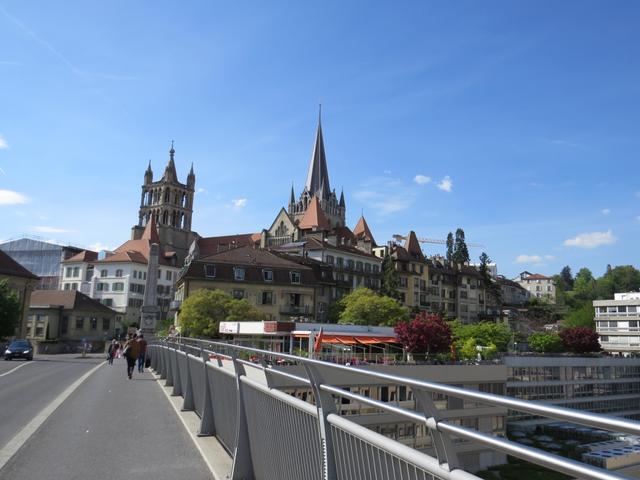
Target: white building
x=539, y=286
x=617, y=323
x=118, y=279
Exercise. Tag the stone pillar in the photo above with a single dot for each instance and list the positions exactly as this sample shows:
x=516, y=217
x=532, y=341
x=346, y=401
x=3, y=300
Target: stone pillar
x=150, y=309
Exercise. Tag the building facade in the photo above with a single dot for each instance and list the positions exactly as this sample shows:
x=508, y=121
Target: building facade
x=22, y=282
x=538, y=286
x=618, y=323
x=43, y=259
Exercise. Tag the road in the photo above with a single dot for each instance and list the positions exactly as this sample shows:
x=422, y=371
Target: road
x=109, y=427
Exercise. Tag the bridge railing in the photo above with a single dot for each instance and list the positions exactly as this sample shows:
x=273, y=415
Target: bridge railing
x=273, y=435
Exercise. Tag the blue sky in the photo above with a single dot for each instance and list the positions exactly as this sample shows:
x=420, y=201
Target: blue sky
x=517, y=121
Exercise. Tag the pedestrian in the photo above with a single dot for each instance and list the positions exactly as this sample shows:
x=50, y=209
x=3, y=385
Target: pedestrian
x=111, y=352
x=130, y=352
x=142, y=352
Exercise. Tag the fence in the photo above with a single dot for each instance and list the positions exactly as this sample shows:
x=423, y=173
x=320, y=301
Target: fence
x=273, y=435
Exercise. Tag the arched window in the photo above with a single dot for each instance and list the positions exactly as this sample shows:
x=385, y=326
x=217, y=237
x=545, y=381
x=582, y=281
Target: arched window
x=119, y=273
x=165, y=217
x=166, y=195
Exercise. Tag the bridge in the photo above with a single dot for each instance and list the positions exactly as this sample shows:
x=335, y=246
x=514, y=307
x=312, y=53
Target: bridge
x=270, y=434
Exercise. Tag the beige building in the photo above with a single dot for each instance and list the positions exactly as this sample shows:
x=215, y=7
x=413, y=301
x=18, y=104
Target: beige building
x=68, y=315
x=22, y=282
x=283, y=287
x=538, y=286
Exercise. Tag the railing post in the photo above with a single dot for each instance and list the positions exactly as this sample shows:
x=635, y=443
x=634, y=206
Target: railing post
x=442, y=444
x=207, y=425
x=177, y=380
x=242, y=463
x=163, y=362
x=169, y=381
x=154, y=357
x=325, y=406
x=188, y=403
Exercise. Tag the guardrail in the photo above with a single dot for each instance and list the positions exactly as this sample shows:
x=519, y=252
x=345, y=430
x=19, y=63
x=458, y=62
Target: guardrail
x=273, y=435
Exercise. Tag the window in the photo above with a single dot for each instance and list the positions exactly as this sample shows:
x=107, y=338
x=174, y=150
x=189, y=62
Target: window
x=119, y=273
x=93, y=323
x=350, y=264
x=69, y=271
x=238, y=273
x=103, y=273
x=76, y=272
x=359, y=266
x=102, y=287
x=238, y=294
x=67, y=286
x=295, y=277
x=107, y=301
x=39, y=331
x=79, y=323
x=168, y=275
x=118, y=287
x=105, y=324
x=159, y=273
x=144, y=275
x=376, y=269
x=74, y=286
x=135, y=274
x=209, y=270
x=267, y=298
x=330, y=259
x=267, y=275
x=339, y=261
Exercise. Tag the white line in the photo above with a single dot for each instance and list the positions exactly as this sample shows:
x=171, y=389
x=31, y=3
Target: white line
x=14, y=369
x=10, y=449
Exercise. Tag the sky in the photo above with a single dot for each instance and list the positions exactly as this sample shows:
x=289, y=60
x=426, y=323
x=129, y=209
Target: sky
x=516, y=121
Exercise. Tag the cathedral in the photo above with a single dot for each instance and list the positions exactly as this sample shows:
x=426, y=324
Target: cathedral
x=317, y=212
x=170, y=203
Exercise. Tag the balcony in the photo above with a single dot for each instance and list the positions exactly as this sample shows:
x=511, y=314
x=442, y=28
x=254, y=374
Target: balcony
x=296, y=310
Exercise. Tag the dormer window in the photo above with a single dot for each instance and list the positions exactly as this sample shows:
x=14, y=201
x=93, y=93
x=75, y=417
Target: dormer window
x=209, y=270
x=295, y=277
x=267, y=275
x=238, y=273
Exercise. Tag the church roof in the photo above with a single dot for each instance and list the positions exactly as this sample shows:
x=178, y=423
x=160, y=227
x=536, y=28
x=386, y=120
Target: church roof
x=151, y=231
x=314, y=217
x=170, y=174
x=362, y=230
x=318, y=175
x=413, y=246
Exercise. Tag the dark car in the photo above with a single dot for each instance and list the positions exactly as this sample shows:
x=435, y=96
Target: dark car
x=19, y=349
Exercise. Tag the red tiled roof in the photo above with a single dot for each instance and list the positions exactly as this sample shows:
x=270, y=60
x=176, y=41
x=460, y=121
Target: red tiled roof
x=67, y=299
x=83, y=256
x=413, y=246
x=9, y=267
x=362, y=230
x=138, y=250
x=314, y=217
x=315, y=244
x=212, y=245
x=537, y=276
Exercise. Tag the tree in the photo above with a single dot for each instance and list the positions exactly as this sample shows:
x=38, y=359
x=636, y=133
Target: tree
x=491, y=287
x=484, y=333
x=623, y=278
x=543, y=342
x=389, y=278
x=9, y=310
x=426, y=333
x=469, y=349
x=202, y=312
x=584, y=285
x=364, y=307
x=450, y=247
x=566, y=278
x=460, y=250
x=580, y=339
x=581, y=317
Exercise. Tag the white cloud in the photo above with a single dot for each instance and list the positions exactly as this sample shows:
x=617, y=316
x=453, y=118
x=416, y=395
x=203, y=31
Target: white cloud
x=3, y=143
x=535, y=259
x=385, y=195
x=446, y=184
x=45, y=229
x=98, y=246
x=8, y=197
x=201, y=190
x=239, y=202
x=549, y=257
x=591, y=239
x=421, y=179
x=605, y=211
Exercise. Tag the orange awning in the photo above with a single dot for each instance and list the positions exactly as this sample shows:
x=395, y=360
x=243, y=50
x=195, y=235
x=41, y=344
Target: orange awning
x=350, y=339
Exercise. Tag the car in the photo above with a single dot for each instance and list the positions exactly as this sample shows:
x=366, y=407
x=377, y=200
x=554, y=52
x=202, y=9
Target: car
x=19, y=349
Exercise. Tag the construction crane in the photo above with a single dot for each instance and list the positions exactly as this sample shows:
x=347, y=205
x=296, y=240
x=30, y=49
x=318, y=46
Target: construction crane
x=398, y=238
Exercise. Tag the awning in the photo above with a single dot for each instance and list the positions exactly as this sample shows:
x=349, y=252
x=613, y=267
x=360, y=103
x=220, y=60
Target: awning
x=350, y=339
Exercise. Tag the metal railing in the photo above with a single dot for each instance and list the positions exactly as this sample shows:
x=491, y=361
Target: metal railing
x=271, y=434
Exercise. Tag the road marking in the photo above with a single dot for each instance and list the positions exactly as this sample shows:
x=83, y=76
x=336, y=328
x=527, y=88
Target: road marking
x=14, y=369
x=10, y=449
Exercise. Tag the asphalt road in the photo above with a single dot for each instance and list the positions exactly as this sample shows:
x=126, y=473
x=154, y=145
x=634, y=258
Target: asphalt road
x=110, y=427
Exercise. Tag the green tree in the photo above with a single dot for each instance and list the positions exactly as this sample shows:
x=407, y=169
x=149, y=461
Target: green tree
x=389, y=278
x=469, y=350
x=450, y=247
x=9, y=310
x=623, y=278
x=484, y=333
x=490, y=286
x=581, y=317
x=364, y=307
x=543, y=342
x=202, y=312
x=460, y=250
x=566, y=278
x=490, y=351
x=584, y=286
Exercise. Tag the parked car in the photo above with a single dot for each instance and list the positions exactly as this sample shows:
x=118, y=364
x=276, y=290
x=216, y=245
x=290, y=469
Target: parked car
x=19, y=349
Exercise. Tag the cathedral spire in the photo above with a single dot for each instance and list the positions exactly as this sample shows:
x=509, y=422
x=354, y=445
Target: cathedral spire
x=342, y=198
x=293, y=196
x=170, y=170
x=318, y=174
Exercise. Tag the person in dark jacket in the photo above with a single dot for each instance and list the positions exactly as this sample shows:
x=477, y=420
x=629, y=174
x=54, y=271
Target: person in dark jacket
x=112, y=351
x=131, y=350
x=142, y=352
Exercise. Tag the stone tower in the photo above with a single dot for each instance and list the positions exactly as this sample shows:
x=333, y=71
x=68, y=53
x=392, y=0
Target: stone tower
x=318, y=185
x=170, y=203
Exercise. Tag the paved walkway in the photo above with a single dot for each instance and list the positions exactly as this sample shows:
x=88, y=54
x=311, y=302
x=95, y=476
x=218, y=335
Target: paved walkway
x=110, y=427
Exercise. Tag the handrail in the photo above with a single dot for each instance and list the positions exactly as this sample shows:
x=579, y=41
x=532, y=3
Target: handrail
x=430, y=419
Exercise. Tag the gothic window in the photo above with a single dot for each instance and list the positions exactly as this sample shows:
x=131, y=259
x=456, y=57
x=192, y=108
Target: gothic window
x=166, y=195
x=281, y=230
x=165, y=218
x=183, y=202
x=181, y=224
x=175, y=198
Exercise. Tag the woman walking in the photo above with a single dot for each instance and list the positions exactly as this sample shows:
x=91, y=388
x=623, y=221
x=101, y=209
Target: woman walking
x=131, y=351
x=113, y=349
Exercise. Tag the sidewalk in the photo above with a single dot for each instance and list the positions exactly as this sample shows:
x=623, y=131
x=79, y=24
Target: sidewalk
x=111, y=427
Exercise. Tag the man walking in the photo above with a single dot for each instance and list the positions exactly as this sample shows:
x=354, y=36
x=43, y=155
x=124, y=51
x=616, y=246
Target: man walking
x=131, y=351
x=142, y=352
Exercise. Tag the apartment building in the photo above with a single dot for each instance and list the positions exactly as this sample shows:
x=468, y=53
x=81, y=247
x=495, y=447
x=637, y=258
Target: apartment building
x=618, y=323
x=538, y=285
